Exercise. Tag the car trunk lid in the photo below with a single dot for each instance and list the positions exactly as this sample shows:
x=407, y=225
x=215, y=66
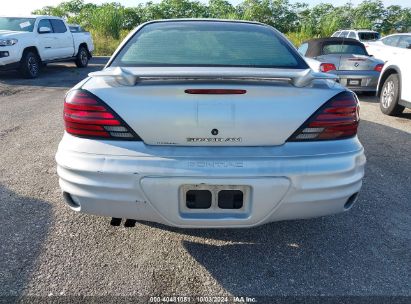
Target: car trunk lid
x=237, y=112
x=350, y=62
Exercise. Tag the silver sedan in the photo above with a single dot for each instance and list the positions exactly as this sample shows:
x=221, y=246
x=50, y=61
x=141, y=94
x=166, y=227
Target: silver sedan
x=205, y=123
x=346, y=58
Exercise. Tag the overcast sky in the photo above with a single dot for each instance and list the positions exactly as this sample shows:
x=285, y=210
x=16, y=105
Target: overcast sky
x=24, y=7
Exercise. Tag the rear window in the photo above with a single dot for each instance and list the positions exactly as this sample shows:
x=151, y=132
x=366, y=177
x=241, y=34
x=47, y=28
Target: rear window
x=368, y=36
x=202, y=43
x=344, y=49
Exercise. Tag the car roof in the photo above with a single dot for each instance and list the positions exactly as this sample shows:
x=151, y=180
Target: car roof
x=331, y=39
x=315, y=46
x=397, y=34
x=359, y=30
x=206, y=20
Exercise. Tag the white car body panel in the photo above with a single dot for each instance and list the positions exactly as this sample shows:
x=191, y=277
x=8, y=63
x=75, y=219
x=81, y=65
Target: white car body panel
x=50, y=46
x=406, y=79
x=146, y=180
x=387, y=52
x=402, y=66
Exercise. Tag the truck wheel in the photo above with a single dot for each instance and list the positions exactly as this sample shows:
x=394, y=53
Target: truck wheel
x=30, y=65
x=82, y=57
x=390, y=96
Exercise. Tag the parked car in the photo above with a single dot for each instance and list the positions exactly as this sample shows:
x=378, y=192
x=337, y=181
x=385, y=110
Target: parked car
x=28, y=42
x=391, y=47
x=394, y=88
x=206, y=123
x=360, y=35
x=346, y=58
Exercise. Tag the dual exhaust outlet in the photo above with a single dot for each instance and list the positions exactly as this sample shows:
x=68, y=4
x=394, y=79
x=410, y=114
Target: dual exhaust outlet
x=129, y=223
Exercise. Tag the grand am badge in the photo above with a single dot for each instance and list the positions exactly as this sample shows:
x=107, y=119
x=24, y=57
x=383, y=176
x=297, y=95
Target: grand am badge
x=216, y=164
x=215, y=139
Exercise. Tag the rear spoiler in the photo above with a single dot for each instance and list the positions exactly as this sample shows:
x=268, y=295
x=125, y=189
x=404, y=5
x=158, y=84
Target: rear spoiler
x=131, y=76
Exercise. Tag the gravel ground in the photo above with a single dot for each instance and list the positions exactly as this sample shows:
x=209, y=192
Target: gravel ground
x=46, y=249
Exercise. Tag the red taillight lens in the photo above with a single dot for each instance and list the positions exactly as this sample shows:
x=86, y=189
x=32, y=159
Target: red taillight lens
x=378, y=67
x=85, y=115
x=337, y=119
x=326, y=67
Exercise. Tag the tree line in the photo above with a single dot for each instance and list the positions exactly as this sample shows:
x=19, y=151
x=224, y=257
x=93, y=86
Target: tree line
x=298, y=20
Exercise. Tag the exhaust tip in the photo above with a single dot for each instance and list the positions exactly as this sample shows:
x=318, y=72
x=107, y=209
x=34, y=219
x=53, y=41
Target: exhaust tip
x=130, y=223
x=115, y=221
x=70, y=201
x=350, y=202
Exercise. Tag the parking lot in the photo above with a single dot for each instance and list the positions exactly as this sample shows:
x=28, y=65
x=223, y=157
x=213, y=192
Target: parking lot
x=46, y=249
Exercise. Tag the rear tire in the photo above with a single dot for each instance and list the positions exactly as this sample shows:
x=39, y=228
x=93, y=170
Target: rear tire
x=30, y=65
x=82, y=57
x=390, y=94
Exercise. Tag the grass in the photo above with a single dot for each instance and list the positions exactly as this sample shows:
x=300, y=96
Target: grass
x=298, y=38
x=106, y=45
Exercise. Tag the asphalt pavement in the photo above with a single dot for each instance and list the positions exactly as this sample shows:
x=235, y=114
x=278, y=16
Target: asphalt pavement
x=48, y=250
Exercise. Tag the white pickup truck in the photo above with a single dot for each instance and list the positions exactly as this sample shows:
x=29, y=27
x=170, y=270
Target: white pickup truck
x=27, y=43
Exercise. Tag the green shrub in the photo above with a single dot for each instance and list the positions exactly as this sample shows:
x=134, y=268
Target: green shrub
x=105, y=45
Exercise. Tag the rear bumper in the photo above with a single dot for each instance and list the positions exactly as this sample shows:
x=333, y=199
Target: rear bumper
x=368, y=80
x=144, y=183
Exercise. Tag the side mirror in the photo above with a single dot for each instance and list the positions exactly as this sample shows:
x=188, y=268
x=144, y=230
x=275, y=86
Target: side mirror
x=44, y=30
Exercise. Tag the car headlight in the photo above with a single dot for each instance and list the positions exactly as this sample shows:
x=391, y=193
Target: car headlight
x=8, y=42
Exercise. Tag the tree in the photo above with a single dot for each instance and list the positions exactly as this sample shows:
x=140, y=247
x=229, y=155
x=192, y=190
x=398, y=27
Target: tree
x=221, y=9
x=256, y=10
x=368, y=13
x=110, y=19
x=107, y=19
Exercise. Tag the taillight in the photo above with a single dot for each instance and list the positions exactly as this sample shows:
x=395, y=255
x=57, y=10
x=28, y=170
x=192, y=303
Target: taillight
x=326, y=67
x=86, y=115
x=378, y=67
x=337, y=119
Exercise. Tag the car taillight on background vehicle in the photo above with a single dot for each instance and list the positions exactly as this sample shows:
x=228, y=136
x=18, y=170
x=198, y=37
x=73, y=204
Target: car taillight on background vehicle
x=326, y=67
x=85, y=115
x=336, y=119
x=378, y=67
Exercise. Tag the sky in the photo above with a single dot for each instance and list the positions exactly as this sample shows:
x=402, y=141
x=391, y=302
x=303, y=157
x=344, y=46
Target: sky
x=25, y=7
